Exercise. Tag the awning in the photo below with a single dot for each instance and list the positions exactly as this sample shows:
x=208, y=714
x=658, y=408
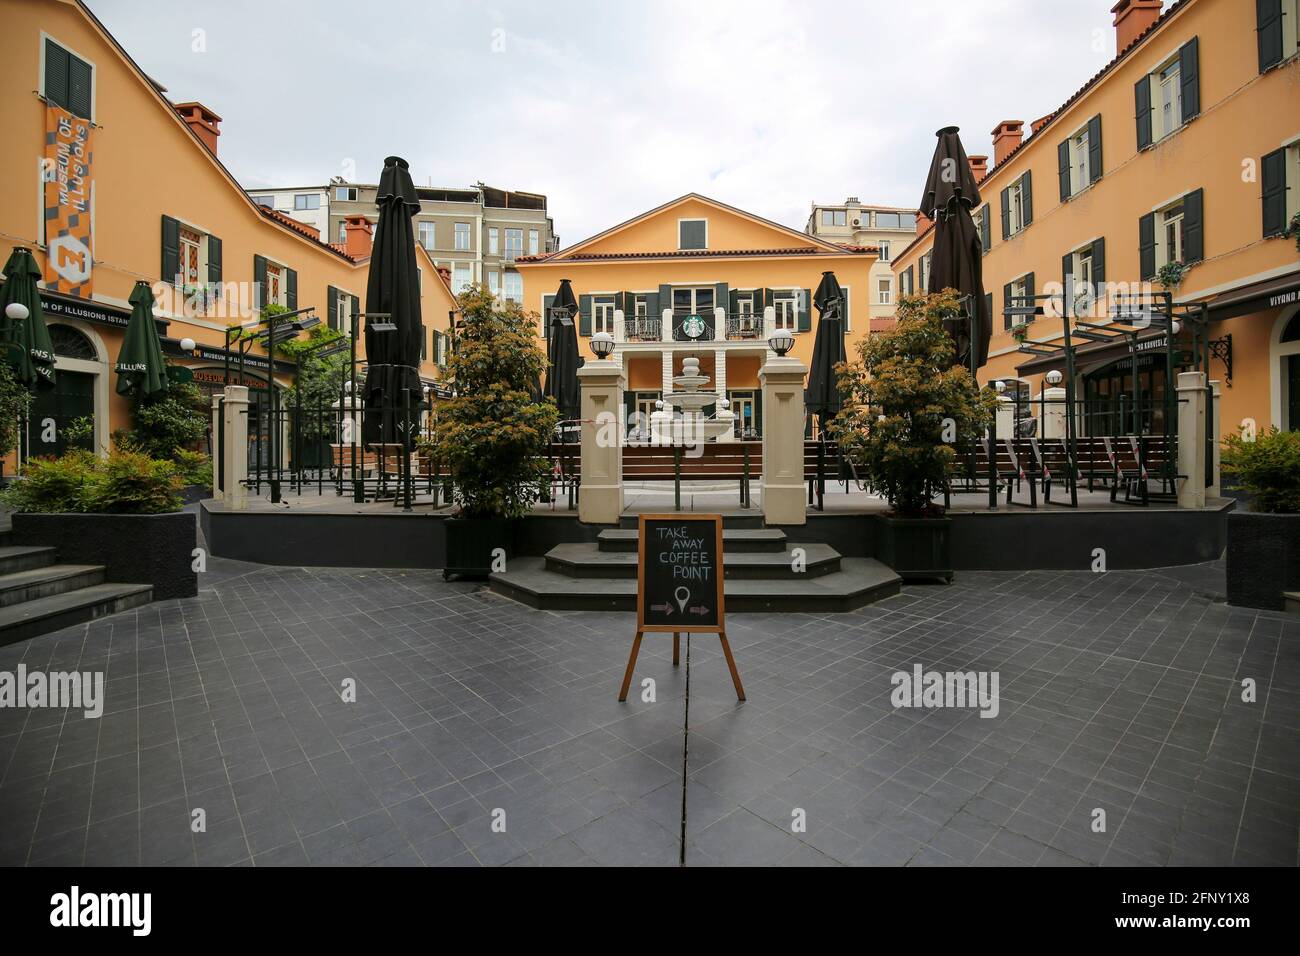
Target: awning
x=1268, y=294
x=1093, y=355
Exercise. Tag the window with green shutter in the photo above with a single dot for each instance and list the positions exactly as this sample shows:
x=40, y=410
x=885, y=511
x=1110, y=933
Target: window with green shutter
x=68, y=80
x=1273, y=179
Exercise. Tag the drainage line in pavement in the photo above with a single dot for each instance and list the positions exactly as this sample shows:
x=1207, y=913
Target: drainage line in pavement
x=686, y=734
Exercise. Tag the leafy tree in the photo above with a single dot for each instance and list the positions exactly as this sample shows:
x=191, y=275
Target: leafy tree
x=15, y=402
x=908, y=405
x=492, y=436
x=173, y=420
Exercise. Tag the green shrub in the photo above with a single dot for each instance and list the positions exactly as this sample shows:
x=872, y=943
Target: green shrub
x=15, y=402
x=80, y=482
x=1268, y=468
x=173, y=421
x=194, y=467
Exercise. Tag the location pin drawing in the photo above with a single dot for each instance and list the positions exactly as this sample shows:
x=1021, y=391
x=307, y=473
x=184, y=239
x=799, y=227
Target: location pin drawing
x=683, y=595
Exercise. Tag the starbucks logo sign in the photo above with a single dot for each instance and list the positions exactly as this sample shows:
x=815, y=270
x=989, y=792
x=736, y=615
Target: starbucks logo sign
x=693, y=326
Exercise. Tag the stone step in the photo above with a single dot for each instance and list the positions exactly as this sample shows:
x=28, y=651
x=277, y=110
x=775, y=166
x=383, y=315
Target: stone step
x=586, y=560
x=744, y=519
x=44, y=615
x=859, y=582
x=21, y=586
x=1291, y=601
x=16, y=557
x=734, y=540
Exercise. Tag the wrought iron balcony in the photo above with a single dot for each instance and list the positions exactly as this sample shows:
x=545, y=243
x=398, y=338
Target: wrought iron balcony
x=642, y=329
x=744, y=326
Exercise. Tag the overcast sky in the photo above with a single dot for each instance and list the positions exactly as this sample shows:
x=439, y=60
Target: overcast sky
x=612, y=108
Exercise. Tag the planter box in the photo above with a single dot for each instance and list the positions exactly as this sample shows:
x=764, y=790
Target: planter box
x=471, y=541
x=134, y=549
x=916, y=549
x=1263, y=558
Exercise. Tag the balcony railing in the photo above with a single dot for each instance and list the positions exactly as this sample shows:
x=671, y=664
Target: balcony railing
x=643, y=329
x=745, y=326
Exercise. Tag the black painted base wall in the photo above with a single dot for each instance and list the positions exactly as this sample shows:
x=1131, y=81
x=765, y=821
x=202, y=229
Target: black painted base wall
x=134, y=549
x=1263, y=559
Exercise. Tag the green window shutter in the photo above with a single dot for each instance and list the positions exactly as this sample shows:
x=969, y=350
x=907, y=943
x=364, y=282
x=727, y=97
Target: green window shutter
x=1063, y=167
x=844, y=325
x=652, y=306
x=1005, y=197
x=171, y=249
x=214, y=260
x=547, y=302
x=762, y=299
x=584, y=313
x=1067, y=269
x=988, y=309
x=721, y=297
x=1194, y=226
x=1099, y=261
x=986, y=238
x=1027, y=196
x=1094, y=148
x=355, y=318
x=1029, y=292
x=56, y=74
x=1273, y=176
x=1268, y=29
x=733, y=303
x=78, y=87
x=758, y=410
x=1189, y=78
x=805, y=311
x=332, y=307
x=291, y=288
x=665, y=298
x=1142, y=103
x=259, y=281
x=1147, y=246
x=1006, y=304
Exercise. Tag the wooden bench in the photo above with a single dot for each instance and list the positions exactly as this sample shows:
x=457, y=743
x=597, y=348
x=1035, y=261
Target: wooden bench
x=739, y=461
x=367, y=461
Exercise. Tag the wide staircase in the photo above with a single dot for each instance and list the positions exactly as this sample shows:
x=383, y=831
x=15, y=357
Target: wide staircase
x=763, y=572
x=39, y=595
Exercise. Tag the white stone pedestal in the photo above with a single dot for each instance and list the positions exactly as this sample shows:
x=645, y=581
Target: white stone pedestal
x=1215, y=489
x=234, y=464
x=783, y=416
x=600, y=500
x=218, y=421
x=1053, y=423
x=1191, y=439
x=350, y=429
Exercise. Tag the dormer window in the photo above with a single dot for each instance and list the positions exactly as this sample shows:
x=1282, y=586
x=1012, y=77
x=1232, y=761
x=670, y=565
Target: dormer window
x=692, y=233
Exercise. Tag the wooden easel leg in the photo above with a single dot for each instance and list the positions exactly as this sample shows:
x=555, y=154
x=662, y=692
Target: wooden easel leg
x=731, y=663
x=631, y=663
x=677, y=648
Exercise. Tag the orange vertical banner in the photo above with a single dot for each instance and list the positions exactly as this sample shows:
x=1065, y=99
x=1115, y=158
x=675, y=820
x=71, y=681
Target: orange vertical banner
x=69, y=203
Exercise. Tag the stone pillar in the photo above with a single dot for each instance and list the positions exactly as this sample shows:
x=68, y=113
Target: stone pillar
x=666, y=358
x=234, y=464
x=1215, y=489
x=218, y=420
x=350, y=427
x=1191, y=439
x=1006, y=417
x=666, y=325
x=783, y=414
x=1053, y=413
x=620, y=326
x=601, y=497
x=720, y=385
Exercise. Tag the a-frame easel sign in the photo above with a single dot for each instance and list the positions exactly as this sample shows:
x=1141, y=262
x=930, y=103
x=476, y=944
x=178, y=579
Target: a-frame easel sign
x=679, y=584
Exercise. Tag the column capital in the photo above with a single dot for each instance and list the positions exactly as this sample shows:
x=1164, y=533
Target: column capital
x=601, y=372
x=781, y=369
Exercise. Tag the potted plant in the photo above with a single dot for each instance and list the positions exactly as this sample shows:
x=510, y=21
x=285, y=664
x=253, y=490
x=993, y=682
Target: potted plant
x=906, y=407
x=1171, y=274
x=1293, y=230
x=491, y=435
x=1020, y=332
x=122, y=511
x=1263, y=555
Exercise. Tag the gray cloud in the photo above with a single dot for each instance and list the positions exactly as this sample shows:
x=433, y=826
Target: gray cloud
x=612, y=108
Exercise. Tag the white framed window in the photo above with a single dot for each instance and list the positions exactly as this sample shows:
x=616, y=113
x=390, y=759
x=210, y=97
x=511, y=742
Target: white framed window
x=923, y=271
x=514, y=244
x=602, y=314
x=1167, y=99
x=745, y=303
x=275, y=287
x=462, y=275
x=345, y=193
x=192, y=259
x=1079, y=172
x=835, y=217
x=885, y=292
x=494, y=281
x=267, y=201
x=533, y=240
x=1016, y=206
x=306, y=201
x=343, y=232
x=347, y=302
x=514, y=288
x=494, y=241
x=428, y=235
x=639, y=306
x=1169, y=234
x=884, y=250
x=462, y=237
x=786, y=306
x=692, y=233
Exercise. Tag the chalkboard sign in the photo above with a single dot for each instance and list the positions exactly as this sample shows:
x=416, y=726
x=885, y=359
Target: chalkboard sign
x=679, y=573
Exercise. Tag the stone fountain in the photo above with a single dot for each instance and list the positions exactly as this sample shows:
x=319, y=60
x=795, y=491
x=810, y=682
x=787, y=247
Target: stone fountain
x=692, y=426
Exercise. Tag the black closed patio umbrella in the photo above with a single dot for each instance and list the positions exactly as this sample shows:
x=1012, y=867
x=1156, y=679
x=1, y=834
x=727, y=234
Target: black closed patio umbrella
x=141, y=368
x=562, y=359
x=822, y=396
x=392, y=312
x=27, y=341
x=957, y=258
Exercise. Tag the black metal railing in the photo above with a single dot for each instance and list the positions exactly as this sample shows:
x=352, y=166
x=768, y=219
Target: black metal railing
x=745, y=326
x=643, y=329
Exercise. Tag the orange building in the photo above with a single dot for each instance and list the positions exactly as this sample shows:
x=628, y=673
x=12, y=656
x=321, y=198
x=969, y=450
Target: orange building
x=696, y=277
x=108, y=182
x=1184, y=148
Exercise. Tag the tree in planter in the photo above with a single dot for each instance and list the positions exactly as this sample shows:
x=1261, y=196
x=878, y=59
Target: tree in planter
x=908, y=406
x=1267, y=468
x=491, y=436
x=15, y=402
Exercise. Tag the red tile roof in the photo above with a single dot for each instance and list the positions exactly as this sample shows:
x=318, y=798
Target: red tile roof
x=303, y=229
x=696, y=254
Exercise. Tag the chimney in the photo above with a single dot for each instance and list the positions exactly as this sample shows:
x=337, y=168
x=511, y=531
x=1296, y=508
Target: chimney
x=922, y=222
x=979, y=167
x=203, y=121
x=1132, y=19
x=1038, y=124
x=1006, y=139
x=359, y=236
x=444, y=273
